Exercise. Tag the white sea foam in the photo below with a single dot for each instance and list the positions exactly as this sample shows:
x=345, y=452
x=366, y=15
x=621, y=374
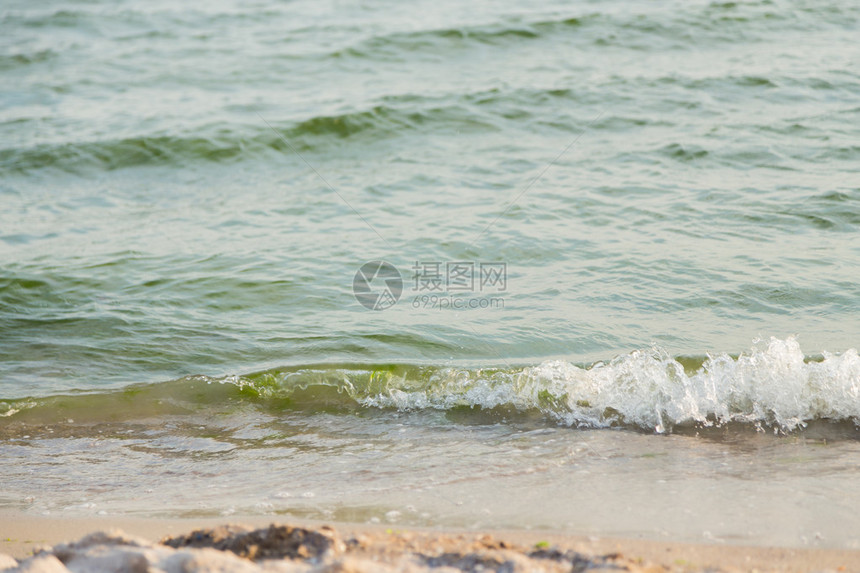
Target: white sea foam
x=773, y=384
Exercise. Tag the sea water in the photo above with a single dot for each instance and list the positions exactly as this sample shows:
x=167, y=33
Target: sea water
x=583, y=266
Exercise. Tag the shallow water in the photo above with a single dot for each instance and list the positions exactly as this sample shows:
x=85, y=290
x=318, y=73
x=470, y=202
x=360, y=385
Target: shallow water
x=669, y=193
x=434, y=468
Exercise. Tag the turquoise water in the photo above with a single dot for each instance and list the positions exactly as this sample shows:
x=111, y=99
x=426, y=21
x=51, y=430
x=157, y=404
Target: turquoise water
x=668, y=191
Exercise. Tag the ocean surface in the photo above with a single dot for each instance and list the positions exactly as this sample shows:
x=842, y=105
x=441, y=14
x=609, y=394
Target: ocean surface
x=581, y=266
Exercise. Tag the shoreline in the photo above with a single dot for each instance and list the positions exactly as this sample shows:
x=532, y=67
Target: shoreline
x=21, y=535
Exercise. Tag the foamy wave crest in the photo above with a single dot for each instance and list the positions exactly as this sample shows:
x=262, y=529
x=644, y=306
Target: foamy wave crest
x=773, y=385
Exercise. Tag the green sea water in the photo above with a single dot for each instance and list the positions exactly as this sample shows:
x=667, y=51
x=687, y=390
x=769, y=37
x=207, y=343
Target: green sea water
x=625, y=234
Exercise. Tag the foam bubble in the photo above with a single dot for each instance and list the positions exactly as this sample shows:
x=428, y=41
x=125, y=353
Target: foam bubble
x=773, y=384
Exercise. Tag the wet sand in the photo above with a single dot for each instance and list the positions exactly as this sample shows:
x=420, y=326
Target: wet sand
x=252, y=544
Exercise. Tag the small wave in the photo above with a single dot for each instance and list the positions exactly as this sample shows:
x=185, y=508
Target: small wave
x=398, y=43
x=772, y=386
x=683, y=153
x=58, y=18
x=22, y=59
x=118, y=154
x=234, y=142
x=394, y=116
x=718, y=23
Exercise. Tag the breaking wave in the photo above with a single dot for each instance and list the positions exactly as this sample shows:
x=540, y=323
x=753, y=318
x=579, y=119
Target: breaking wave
x=773, y=385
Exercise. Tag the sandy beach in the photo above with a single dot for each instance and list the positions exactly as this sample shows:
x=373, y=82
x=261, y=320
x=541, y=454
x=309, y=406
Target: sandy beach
x=261, y=544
